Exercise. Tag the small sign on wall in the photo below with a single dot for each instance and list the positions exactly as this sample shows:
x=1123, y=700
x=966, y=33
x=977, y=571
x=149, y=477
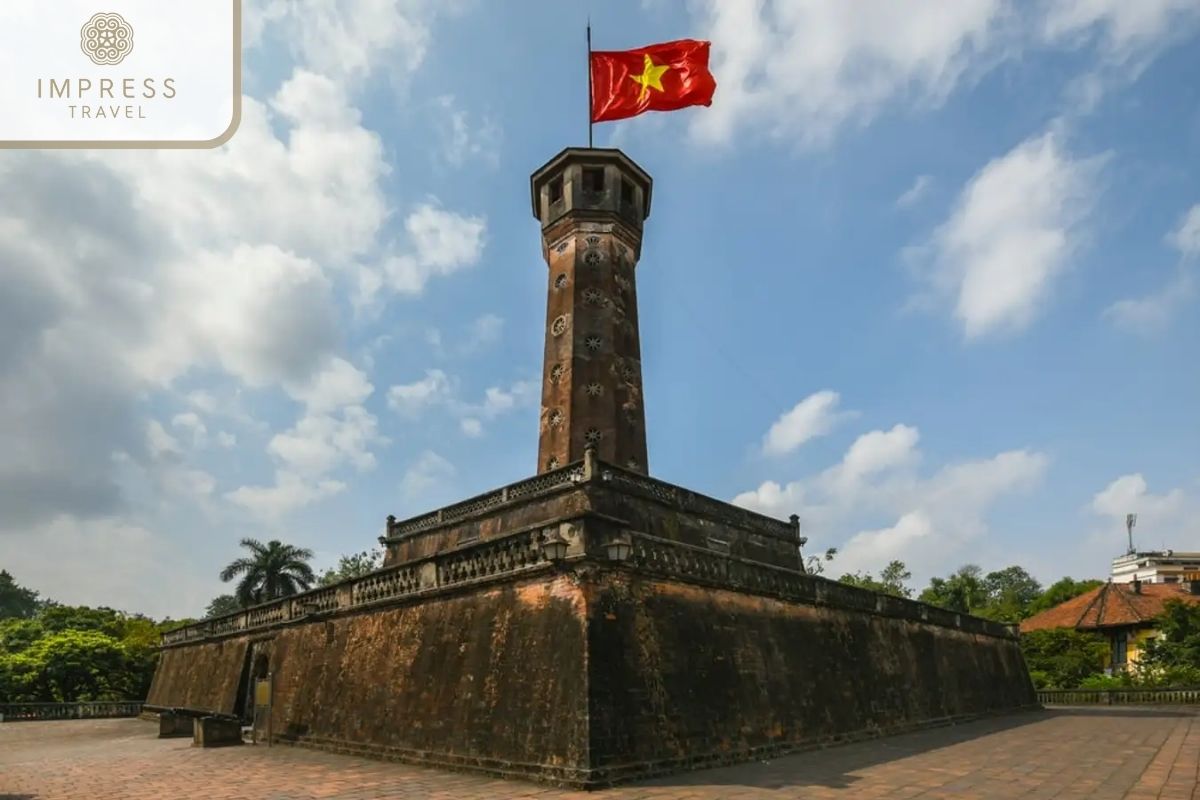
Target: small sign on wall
x=262, y=692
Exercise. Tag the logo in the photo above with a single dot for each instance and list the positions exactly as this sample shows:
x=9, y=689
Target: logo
x=120, y=73
x=106, y=39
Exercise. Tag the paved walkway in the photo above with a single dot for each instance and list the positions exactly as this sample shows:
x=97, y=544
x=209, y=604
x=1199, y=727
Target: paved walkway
x=1097, y=753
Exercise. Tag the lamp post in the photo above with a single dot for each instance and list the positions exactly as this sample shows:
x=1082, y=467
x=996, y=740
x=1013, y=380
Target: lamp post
x=618, y=548
x=553, y=546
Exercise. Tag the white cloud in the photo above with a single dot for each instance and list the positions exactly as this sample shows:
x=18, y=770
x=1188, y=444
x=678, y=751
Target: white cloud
x=427, y=475
x=927, y=521
x=444, y=242
x=348, y=39
x=320, y=443
x=202, y=401
x=289, y=493
x=915, y=192
x=461, y=140
x=105, y=562
x=1169, y=520
x=1126, y=30
x=1012, y=233
x=485, y=331
x=437, y=389
x=875, y=452
x=338, y=384
x=190, y=422
x=1186, y=237
x=160, y=443
x=497, y=400
x=815, y=415
x=804, y=70
x=1153, y=312
x=1130, y=494
x=411, y=399
x=129, y=278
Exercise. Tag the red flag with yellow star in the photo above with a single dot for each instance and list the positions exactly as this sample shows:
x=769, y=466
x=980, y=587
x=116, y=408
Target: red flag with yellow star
x=661, y=77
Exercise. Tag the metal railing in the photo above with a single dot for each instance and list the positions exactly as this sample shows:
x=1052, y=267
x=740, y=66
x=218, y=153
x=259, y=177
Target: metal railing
x=98, y=709
x=1119, y=697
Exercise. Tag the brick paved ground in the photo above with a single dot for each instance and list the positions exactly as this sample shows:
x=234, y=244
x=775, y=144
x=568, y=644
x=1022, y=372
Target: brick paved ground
x=1062, y=753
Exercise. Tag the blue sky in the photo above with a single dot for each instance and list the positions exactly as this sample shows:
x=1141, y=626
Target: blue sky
x=923, y=274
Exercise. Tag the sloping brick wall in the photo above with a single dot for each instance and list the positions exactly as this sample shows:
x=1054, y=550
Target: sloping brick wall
x=588, y=674
x=204, y=676
x=683, y=675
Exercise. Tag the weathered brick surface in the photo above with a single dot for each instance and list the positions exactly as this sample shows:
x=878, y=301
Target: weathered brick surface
x=1075, y=754
x=204, y=676
x=681, y=675
x=493, y=678
x=592, y=675
x=519, y=514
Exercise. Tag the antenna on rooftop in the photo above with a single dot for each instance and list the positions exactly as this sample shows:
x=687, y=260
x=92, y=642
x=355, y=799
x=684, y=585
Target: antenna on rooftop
x=1130, y=521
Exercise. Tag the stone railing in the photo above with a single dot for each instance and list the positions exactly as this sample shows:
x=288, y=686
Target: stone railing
x=488, y=559
x=1119, y=697
x=583, y=471
x=521, y=552
x=567, y=476
x=689, y=562
x=687, y=500
x=99, y=709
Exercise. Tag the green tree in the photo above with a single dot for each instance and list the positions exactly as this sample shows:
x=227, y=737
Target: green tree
x=79, y=665
x=71, y=653
x=1173, y=657
x=1009, y=594
x=221, y=605
x=271, y=571
x=353, y=566
x=1060, y=658
x=16, y=600
x=891, y=580
x=55, y=618
x=1060, y=592
x=19, y=679
x=962, y=591
x=16, y=635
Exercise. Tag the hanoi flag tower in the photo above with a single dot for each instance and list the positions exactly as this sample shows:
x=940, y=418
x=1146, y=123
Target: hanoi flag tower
x=590, y=624
x=591, y=204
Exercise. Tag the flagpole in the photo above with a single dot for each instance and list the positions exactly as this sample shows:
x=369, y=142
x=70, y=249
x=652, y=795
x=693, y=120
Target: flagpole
x=589, y=69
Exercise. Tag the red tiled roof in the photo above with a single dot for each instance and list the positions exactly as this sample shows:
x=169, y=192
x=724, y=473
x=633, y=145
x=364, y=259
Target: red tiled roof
x=1113, y=604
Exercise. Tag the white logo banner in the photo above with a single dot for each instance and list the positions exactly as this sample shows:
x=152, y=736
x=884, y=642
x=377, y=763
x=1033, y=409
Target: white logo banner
x=119, y=73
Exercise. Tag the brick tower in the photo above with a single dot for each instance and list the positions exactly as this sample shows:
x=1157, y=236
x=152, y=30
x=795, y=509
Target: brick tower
x=591, y=203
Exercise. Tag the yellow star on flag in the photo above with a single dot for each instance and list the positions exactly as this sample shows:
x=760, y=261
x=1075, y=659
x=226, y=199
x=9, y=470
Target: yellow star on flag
x=651, y=77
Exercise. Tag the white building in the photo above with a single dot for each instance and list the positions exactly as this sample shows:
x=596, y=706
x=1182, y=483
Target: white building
x=1165, y=566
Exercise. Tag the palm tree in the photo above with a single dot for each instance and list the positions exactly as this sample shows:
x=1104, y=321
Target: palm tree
x=272, y=571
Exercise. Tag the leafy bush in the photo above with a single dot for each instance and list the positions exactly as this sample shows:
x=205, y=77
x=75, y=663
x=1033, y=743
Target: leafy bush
x=1064, y=657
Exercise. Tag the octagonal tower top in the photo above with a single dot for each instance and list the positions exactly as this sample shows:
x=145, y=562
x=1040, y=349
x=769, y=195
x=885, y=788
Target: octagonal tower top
x=585, y=180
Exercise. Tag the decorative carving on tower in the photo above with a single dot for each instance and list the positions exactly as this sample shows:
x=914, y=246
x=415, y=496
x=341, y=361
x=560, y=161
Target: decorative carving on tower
x=591, y=204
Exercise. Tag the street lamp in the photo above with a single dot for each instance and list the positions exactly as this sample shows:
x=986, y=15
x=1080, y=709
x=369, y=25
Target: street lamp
x=618, y=548
x=554, y=546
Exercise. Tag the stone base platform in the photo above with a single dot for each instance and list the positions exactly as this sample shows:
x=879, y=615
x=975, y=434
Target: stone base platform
x=592, y=626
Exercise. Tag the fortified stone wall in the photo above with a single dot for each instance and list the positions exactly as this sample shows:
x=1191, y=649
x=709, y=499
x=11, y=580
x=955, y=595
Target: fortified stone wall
x=682, y=675
x=589, y=673
x=492, y=679
x=205, y=676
